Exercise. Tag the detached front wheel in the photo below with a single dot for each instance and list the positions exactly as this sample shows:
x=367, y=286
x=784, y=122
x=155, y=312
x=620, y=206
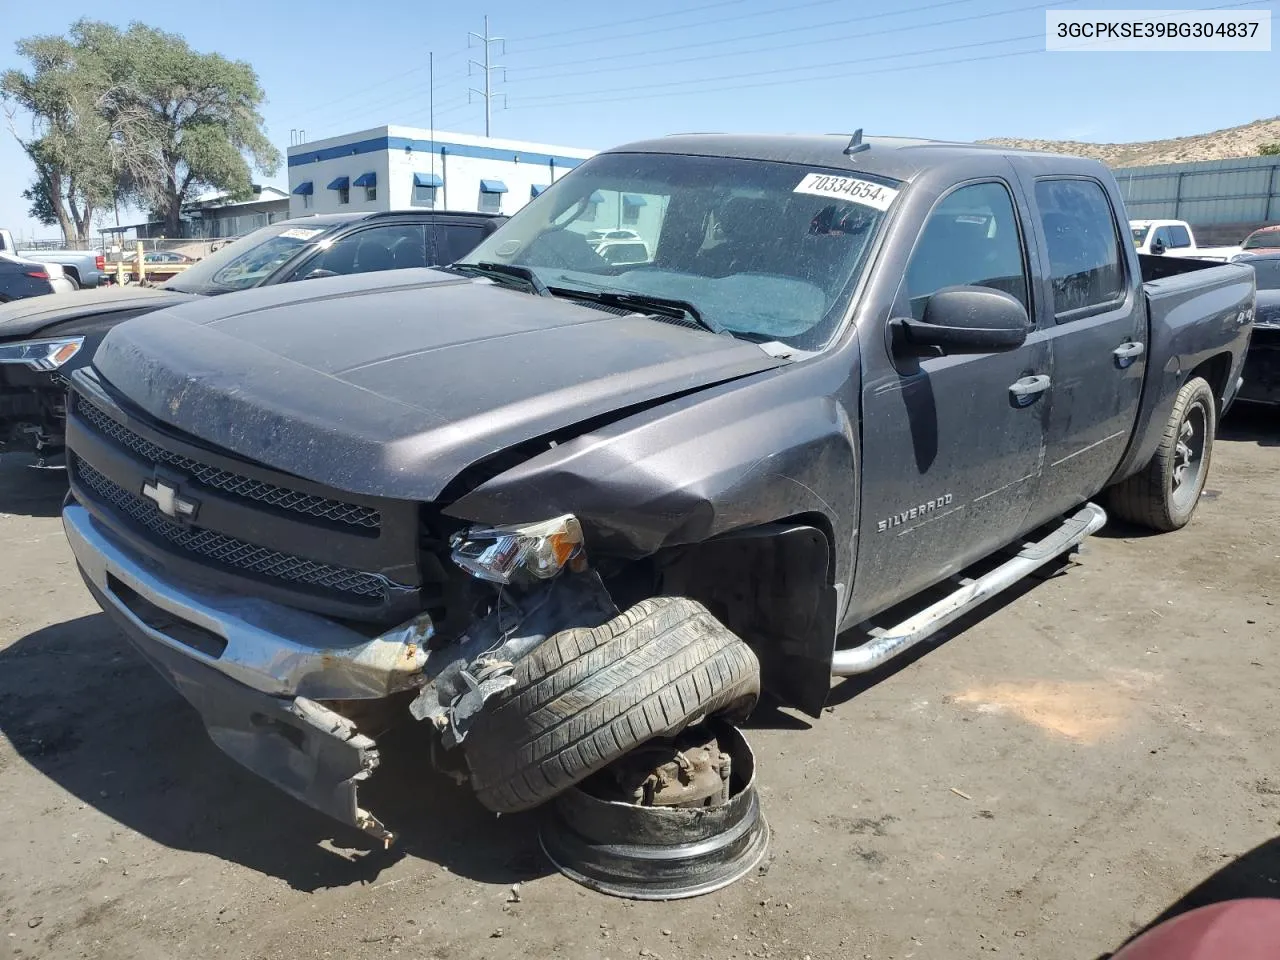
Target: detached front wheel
x=1164, y=494
x=586, y=697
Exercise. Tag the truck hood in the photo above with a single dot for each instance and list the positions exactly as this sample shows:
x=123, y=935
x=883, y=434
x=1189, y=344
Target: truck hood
x=25, y=318
x=394, y=391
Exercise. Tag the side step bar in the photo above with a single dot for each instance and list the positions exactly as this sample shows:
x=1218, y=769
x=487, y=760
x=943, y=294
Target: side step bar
x=887, y=644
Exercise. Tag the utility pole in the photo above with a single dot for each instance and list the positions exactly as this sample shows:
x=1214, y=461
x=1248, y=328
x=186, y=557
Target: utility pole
x=488, y=68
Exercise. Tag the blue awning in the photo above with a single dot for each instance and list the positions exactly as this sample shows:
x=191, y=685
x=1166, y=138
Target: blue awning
x=340, y=183
x=537, y=189
x=427, y=180
x=492, y=186
x=304, y=189
x=597, y=197
x=633, y=200
x=369, y=179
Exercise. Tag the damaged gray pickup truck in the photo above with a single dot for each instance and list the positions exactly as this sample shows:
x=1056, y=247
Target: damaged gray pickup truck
x=552, y=507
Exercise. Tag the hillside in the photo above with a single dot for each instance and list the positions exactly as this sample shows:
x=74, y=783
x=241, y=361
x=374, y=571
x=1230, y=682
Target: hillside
x=1241, y=141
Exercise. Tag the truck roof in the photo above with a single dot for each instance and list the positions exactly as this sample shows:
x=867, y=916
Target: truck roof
x=899, y=158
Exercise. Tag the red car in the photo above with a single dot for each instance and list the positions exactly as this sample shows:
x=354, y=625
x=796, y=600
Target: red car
x=1231, y=930
x=1264, y=238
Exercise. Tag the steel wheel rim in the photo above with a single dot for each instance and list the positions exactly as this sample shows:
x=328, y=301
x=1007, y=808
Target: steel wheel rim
x=1188, y=456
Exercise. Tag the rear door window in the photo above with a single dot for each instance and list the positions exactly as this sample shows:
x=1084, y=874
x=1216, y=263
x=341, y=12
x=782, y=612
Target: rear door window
x=1084, y=246
x=453, y=241
x=1179, y=236
x=392, y=246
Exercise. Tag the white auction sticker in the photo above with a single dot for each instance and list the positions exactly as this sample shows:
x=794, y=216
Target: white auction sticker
x=299, y=233
x=869, y=194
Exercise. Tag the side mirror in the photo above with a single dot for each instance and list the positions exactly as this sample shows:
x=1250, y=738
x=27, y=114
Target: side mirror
x=966, y=320
x=1157, y=247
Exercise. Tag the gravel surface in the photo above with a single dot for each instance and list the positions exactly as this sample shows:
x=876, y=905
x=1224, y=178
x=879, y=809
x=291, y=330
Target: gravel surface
x=1097, y=749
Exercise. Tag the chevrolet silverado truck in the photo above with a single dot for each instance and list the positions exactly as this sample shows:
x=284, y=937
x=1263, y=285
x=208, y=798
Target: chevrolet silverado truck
x=41, y=343
x=552, y=508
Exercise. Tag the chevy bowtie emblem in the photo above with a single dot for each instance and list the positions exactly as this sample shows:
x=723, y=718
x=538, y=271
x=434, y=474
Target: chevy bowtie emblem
x=166, y=497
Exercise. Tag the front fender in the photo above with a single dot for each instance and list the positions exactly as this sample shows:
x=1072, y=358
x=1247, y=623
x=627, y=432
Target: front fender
x=739, y=455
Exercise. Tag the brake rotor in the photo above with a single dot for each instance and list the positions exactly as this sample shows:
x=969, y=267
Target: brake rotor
x=666, y=823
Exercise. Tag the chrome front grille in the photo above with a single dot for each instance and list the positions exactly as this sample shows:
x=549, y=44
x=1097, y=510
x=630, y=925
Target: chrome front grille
x=323, y=508
x=224, y=550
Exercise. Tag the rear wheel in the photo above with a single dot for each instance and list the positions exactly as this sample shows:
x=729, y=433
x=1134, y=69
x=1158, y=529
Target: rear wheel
x=1164, y=494
x=586, y=697
x=75, y=283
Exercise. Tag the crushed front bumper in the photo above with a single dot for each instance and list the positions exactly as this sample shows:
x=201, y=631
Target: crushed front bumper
x=255, y=670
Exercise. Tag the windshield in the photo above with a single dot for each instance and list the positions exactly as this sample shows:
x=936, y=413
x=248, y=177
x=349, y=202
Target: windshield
x=1268, y=240
x=764, y=250
x=1267, y=273
x=246, y=262
x=1139, y=235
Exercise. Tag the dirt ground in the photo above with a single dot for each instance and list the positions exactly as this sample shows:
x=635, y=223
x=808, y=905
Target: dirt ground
x=1099, y=749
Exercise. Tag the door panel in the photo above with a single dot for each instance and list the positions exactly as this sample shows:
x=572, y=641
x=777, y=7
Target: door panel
x=1098, y=333
x=951, y=451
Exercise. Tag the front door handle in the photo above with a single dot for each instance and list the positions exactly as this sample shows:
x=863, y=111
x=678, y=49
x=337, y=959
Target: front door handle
x=1126, y=353
x=1027, y=390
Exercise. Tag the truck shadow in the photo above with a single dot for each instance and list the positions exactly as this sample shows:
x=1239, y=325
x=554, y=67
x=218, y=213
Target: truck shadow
x=1247, y=423
x=844, y=690
x=1255, y=874
x=28, y=492
x=82, y=708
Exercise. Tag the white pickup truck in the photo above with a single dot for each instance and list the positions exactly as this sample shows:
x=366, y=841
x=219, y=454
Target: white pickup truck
x=1173, y=238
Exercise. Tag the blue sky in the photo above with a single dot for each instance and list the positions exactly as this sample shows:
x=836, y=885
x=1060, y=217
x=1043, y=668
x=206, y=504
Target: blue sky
x=591, y=74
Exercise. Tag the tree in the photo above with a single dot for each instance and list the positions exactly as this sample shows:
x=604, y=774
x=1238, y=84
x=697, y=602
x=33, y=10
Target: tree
x=134, y=114
x=1269, y=150
x=70, y=145
x=42, y=209
x=188, y=120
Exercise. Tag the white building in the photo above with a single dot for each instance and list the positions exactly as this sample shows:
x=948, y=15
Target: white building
x=392, y=168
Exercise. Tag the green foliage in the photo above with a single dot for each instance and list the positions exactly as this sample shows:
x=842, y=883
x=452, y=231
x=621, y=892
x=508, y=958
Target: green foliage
x=1269, y=150
x=137, y=113
x=42, y=209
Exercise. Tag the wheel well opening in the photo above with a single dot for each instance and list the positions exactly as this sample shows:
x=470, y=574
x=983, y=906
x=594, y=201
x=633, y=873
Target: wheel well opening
x=72, y=272
x=1216, y=370
x=770, y=585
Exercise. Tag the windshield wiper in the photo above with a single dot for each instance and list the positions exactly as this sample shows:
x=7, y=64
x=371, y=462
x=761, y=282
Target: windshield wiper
x=486, y=268
x=642, y=303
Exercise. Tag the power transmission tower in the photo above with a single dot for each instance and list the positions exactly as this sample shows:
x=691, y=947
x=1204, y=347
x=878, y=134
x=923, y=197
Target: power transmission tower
x=488, y=68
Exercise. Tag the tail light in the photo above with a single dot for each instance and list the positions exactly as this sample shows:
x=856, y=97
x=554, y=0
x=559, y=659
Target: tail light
x=100, y=262
x=38, y=274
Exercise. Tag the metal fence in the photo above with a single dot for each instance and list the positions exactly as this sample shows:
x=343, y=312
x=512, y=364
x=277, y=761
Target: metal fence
x=1215, y=196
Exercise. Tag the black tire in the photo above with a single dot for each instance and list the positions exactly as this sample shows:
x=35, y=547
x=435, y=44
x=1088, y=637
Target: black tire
x=586, y=697
x=1164, y=494
x=75, y=283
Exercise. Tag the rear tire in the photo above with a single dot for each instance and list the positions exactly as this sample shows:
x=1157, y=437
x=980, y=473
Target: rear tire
x=75, y=284
x=1164, y=494
x=586, y=697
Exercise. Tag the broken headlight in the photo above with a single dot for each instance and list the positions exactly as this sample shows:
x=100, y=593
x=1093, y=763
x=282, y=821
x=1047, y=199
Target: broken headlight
x=497, y=554
x=41, y=354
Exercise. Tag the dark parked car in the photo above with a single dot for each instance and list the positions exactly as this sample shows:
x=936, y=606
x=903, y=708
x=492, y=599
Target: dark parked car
x=1262, y=365
x=63, y=335
x=559, y=507
x=21, y=278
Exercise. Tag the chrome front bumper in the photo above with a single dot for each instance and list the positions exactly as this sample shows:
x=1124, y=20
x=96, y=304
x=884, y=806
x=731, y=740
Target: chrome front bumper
x=266, y=646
